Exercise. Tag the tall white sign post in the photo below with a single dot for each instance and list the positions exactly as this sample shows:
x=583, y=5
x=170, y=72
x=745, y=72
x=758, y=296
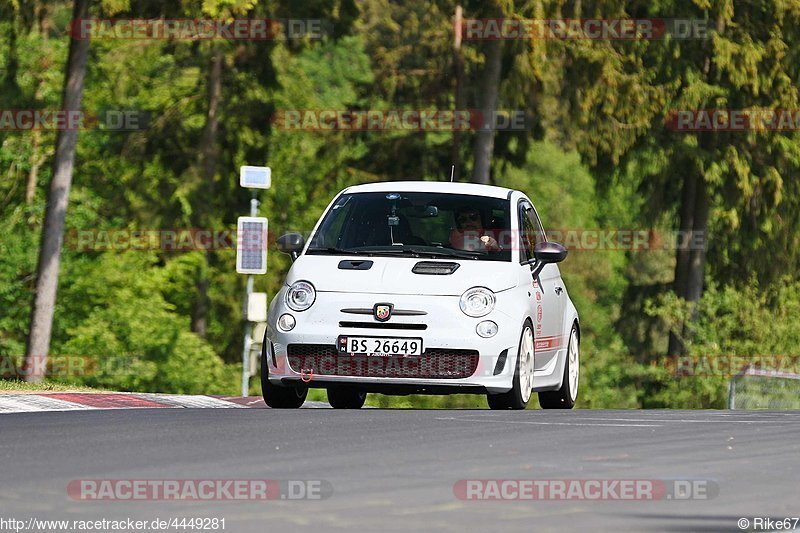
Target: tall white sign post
x=251, y=254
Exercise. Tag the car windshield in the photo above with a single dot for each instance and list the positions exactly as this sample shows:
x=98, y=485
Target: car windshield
x=416, y=224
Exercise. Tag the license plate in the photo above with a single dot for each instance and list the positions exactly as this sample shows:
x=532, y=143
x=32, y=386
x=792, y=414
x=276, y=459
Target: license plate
x=379, y=346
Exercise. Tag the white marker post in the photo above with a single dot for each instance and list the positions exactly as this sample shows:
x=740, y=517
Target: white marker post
x=251, y=253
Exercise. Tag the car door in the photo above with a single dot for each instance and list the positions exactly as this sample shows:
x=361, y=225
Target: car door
x=547, y=294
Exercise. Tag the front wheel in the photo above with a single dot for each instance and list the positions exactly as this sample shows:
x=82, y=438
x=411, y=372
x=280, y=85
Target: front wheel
x=564, y=398
x=276, y=396
x=522, y=385
x=346, y=398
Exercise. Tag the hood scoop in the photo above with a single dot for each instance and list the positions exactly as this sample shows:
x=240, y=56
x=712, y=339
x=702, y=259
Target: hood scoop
x=435, y=268
x=355, y=264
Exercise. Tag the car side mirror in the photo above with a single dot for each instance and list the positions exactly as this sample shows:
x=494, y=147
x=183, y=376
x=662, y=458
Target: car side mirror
x=545, y=253
x=550, y=252
x=292, y=244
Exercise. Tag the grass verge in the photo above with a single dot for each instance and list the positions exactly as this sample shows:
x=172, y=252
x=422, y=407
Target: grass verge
x=15, y=386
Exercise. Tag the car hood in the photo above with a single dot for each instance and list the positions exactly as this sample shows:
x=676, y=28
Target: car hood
x=393, y=275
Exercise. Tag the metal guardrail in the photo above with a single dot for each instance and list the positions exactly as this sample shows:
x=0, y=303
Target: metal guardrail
x=748, y=370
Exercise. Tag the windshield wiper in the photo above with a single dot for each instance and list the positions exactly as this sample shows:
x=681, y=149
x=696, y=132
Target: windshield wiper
x=420, y=252
x=381, y=250
x=405, y=249
x=334, y=250
x=361, y=251
x=460, y=254
x=398, y=250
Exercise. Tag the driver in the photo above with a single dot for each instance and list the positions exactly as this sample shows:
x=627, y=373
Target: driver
x=469, y=233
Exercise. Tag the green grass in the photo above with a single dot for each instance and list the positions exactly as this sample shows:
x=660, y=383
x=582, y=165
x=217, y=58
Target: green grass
x=16, y=386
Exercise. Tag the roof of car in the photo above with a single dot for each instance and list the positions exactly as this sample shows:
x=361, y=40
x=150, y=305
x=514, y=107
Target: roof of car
x=432, y=186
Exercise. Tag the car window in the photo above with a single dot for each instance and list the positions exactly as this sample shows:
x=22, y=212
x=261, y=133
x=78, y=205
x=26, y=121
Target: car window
x=416, y=222
x=534, y=216
x=531, y=232
x=435, y=228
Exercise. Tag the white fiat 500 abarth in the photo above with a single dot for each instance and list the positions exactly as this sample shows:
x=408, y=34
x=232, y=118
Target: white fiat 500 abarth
x=423, y=287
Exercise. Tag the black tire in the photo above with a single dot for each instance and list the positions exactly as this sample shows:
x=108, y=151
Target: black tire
x=277, y=396
x=564, y=398
x=512, y=399
x=346, y=398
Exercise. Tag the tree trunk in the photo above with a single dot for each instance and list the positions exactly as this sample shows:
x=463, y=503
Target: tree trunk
x=690, y=264
x=208, y=144
x=484, y=140
x=209, y=151
x=697, y=257
x=37, y=160
x=42, y=20
x=44, y=301
x=458, y=67
x=683, y=252
x=11, y=87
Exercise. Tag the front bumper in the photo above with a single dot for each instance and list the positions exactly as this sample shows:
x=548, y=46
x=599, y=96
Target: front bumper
x=447, y=333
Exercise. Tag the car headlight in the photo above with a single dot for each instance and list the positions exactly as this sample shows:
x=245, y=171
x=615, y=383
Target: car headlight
x=477, y=301
x=300, y=296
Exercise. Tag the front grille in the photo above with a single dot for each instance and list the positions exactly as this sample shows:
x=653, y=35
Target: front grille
x=435, y=363
x=311, y=350
x=381, y=325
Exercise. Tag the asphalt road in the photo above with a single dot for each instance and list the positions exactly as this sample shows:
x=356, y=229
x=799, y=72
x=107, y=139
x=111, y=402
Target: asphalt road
x=396, y=470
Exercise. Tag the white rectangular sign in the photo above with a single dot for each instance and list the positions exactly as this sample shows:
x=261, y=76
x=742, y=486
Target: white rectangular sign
x=257, y=307
x=251, y=245
x=255, y=177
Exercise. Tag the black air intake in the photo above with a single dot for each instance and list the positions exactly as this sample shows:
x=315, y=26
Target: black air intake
x=354, y=264
x=435, y=268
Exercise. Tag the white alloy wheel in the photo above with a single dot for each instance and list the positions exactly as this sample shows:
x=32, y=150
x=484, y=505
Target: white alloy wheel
x=574, y=365
x=526, y=364
x=564, y=398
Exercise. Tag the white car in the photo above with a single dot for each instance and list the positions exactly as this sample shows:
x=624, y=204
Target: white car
x=423, y=287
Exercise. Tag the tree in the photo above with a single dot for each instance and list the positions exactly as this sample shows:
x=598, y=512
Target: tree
x=490, y=89
x=44, y=303
x=458, y=99
x=623, y=94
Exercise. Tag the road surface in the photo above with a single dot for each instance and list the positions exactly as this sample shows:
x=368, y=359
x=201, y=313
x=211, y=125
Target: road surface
x=397, y=469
